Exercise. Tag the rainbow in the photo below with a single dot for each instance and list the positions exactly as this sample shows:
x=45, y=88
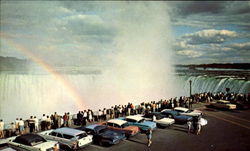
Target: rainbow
x=66, y=84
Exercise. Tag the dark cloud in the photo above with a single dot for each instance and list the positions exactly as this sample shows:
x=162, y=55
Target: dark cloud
x=210, y=14
x=184, y=9
x=189, y=8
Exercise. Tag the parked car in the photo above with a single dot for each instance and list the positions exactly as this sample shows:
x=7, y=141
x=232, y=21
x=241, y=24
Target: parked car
x=179, y=119
x=32, y=142
x=160, y=120
x=188, y=112
x=139, y=121
x=240, y=105
x=223, y=104
x=69, y=138
x=123, y=126
x=4, y=146
x=103, y=135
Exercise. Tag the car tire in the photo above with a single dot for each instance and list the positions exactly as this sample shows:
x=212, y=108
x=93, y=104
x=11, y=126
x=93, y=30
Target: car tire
x=100, y=142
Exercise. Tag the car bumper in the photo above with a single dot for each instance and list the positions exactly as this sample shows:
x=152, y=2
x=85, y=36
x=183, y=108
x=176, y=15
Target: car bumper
x=114, y=141
x=165, y=124
x=84, y=145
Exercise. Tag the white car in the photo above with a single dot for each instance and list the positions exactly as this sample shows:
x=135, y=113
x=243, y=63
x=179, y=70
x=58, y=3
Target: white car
x=159, y=119
x=68, y=138
x=188, y=112
x=32, y=142
x=223, y=104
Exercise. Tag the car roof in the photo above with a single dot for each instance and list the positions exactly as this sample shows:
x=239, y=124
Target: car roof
x=69, y=131
x=223, y=101
x=137, y=118
x=169, y=111
x=117, y=121
x=181, y=108
x=91, y=126
x=27, y=139
x=96, y=127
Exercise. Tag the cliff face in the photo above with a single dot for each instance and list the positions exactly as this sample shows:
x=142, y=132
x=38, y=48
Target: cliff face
x=13, y=64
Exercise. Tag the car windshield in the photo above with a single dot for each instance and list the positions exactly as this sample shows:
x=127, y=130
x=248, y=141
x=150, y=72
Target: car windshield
x=125, y=125
x=81, y=135
x=68, y=136
x=179, y=110
x=175, y=113
x=141, y=121
x=189, y=111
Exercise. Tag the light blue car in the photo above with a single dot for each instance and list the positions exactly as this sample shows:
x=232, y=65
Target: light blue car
x=139, y=122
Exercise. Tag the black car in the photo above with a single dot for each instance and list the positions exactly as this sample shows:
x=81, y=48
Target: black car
x=149, y=116
x=103, y=135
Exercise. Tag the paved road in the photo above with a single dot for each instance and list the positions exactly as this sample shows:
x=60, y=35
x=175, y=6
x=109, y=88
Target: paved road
x=226, y=131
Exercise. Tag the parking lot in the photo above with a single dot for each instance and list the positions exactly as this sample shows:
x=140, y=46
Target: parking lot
x=226, y=130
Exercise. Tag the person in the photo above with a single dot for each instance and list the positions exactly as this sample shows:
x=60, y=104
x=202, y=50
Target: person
x=149, y=136
x=69, y=119
x=1, y=129
x=31, y=124
x=65, y=120
x=100, y=115
x=85, y=117
x=55, y=120
x=17, y=125
x=189, y=125
x=36, y=124
x=154, y=118
x=198, y=126
x=48, y=123
x=90, y=116
x=13, y=129
x=56, y=147
x=43, y=123
x=104, y=114
x=21, y=126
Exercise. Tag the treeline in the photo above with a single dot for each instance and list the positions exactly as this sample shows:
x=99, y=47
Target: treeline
x=218, y=65
x=12, y=63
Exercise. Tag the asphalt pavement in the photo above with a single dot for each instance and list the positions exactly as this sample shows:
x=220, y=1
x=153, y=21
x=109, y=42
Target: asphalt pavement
x=225, y=131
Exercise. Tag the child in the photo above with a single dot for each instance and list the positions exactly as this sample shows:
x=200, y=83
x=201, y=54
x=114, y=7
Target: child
x=189, y=124
x=149, y=136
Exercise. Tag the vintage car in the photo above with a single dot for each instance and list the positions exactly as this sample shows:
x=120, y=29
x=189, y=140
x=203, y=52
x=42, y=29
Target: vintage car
x=188, y=112
x=68, y=138
x=160, y=120
x=32, y=142
x=179, y=119
x=123, y=126
x=103, y=135
x=4, y=146
x=134, y=120
x=223, y=104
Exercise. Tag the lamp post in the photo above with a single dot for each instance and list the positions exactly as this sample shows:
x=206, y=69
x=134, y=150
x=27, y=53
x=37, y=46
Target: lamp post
x=190, y=82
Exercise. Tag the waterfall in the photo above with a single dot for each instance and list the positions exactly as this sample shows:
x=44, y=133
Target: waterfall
x=213, y=84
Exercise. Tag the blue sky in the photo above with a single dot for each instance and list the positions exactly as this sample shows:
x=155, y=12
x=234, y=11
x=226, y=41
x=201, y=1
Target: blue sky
x=99, y=33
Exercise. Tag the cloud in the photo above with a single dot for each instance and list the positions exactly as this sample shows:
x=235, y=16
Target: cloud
x=211, y=14
x=209, y=36
x=188, y=8
x=189, y=53
x=240, y=46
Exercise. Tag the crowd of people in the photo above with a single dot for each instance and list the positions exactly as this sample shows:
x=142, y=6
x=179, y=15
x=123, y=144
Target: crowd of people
x=33, y=124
